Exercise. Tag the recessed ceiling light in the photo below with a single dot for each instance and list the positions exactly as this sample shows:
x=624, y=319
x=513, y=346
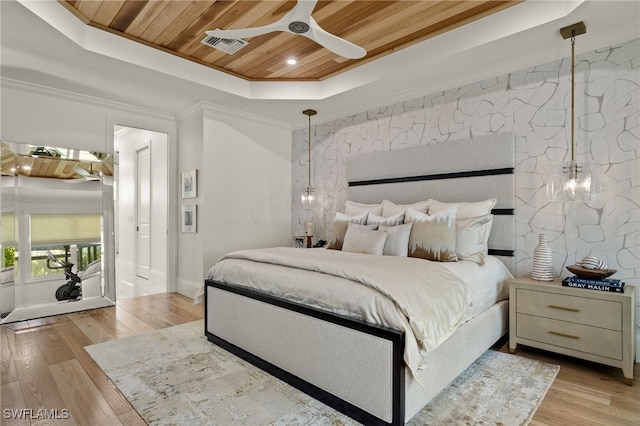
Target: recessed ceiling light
x=291, y=61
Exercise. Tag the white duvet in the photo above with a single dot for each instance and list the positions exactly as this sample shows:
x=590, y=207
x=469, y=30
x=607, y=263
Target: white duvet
x=427, y=300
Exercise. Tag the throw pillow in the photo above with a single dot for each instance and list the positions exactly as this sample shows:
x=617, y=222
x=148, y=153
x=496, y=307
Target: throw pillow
x=340, y=225
x=364, y=241
x=433, y=237
x=396, y=219
x=398, y=241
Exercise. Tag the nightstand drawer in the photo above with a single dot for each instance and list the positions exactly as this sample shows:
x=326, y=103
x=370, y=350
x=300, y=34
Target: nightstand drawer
x=592, y=340
x=575, y=309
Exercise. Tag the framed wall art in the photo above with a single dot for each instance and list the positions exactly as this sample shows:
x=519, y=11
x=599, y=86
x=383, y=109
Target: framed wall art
x=190, y=184
x=189, y=218
x=298, y=241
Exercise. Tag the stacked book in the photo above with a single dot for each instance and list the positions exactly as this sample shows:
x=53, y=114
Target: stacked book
x=593, y=284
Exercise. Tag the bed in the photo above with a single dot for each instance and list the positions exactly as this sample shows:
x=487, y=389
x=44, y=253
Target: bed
x=306, y=316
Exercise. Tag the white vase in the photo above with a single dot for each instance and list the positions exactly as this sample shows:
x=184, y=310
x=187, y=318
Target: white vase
x=542, y=261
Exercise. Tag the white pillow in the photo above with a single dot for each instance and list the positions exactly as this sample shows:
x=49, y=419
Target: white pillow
x=7, y=275
x=398, y=241
x=340, y=225
x=389, y=208
x=352, y=208
x=93, y=268
x=465, y=209
x=396, y=219
x=471, y=238
x=433, y=237
x=363, y=241
x=487, y=234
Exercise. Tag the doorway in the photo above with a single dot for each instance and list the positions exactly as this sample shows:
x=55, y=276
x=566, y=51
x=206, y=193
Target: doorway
x=141, y=211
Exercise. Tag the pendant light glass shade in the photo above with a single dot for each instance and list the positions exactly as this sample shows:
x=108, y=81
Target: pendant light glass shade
x=308, y=196
x=573, y=180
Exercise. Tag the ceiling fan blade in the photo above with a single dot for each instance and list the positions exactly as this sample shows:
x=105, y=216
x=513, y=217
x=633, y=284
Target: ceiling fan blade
x=337, y=45
x=280, y=25
x=79, y=170
x=241, y=33
x=85, y=175
x=77, y=180
x=302, y=10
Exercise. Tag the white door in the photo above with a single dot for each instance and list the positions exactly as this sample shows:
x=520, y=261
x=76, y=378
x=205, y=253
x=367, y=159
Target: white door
x=143, y=204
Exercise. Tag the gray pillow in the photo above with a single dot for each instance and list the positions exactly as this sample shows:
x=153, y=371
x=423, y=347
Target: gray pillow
x=398, y=241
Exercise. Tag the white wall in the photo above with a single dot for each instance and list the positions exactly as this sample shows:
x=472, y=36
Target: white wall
x=128, y=142
x=244, y=186
x=246, y=182
x=190, y=157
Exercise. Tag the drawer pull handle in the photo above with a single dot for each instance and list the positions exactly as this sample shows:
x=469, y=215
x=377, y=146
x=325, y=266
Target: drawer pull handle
x=564, y=308
x=570, y=336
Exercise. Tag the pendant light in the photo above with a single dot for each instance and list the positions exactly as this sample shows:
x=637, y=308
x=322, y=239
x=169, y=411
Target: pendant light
x=308, y=195
x=573, y=180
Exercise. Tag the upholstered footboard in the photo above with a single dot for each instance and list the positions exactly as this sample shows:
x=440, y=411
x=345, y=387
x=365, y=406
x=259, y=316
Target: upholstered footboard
x=352, y=366
x=349, y=365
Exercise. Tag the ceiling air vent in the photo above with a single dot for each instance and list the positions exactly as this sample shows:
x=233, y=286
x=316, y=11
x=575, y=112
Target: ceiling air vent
x=227, y=45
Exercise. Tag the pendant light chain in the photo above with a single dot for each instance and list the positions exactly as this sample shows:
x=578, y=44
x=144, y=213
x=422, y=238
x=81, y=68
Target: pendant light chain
x=309, y=163
x=572, y=181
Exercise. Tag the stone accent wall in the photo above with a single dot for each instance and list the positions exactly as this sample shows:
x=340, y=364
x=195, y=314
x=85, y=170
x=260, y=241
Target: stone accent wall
x=533, y=104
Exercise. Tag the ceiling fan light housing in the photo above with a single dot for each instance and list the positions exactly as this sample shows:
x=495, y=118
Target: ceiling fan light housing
x=299, y=27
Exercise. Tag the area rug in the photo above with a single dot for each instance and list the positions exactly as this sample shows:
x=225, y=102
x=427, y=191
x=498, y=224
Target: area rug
x=174, y=376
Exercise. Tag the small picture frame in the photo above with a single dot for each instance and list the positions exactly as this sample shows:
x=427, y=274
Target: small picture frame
x=298, y=241
x=189, y=218
x=189, y=183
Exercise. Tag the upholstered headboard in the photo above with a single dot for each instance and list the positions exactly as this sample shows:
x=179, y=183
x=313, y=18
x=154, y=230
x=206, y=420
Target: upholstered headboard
x=466, y=170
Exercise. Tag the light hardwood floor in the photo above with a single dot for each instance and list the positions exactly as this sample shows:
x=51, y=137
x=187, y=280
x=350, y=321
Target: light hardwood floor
x=44, y=366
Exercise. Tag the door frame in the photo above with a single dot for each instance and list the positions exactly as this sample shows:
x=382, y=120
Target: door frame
x=167, y=124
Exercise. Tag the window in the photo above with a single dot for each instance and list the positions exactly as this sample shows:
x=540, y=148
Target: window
x=9, y=239
x=39, y=258
x=80, y=255
x=73, y=238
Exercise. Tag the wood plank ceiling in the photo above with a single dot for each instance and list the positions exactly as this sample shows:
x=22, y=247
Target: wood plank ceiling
x=380, y=27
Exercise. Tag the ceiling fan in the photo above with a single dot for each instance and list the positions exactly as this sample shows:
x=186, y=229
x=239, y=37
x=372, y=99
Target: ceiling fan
x=85, y=175
x=298, y=21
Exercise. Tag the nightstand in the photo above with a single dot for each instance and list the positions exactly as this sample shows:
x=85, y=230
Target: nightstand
x=594, y=325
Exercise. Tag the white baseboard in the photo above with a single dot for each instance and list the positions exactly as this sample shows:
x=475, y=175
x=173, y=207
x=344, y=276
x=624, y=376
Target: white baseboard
x=188, y=288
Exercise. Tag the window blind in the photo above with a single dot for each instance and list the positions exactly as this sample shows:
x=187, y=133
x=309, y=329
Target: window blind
x=8, y=231
x=65, y=228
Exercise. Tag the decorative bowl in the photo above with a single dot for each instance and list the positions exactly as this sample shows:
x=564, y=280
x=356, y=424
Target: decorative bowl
x=596, y=274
